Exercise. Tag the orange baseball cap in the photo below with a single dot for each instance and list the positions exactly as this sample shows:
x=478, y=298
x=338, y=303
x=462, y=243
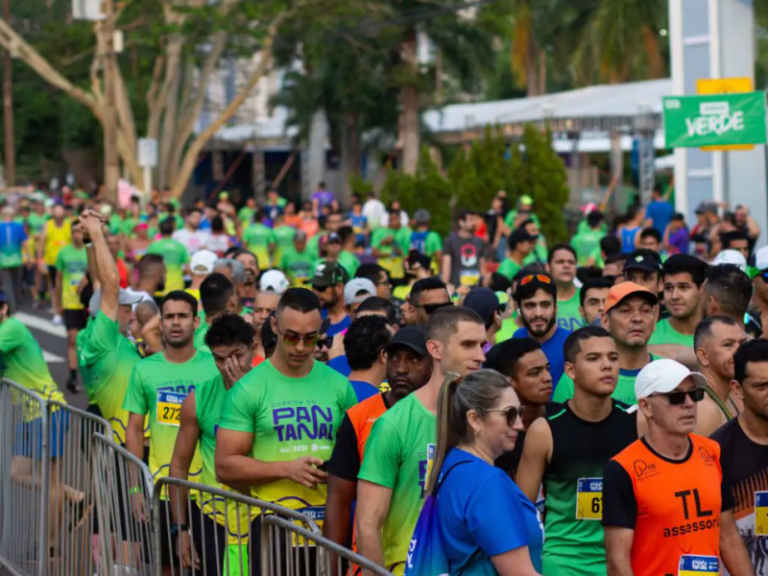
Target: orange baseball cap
x=624, y=290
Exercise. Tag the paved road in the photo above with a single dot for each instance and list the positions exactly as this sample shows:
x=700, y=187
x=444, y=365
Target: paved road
x=53, y=341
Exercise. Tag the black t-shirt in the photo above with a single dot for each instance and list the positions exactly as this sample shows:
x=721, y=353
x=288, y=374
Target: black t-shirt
x=745, y=473
x=465, y=254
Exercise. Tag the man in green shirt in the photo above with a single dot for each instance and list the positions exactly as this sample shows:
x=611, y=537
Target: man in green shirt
x=347, y=257
x=72, y=264
x=391, y=244
x=231, y=342
x=278, y=424
x=158, y=386
x=592, y=297
x=587, y=241
x=683, y=276
x=521, y=244
x=330, y=223
x=630, y=318
x=260, y=240
x=245, y=214
x=284, y=236
x=562, y=267
x=175, y=256
x=401, y=447
x=297, y=261
x=107, y=354
x=217, y=297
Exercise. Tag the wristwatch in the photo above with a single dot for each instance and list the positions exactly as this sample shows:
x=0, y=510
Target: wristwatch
x=176, y=528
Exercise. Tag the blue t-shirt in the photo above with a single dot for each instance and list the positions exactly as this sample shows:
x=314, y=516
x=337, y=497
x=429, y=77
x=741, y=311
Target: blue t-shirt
x=627, y=238
x=363, y=390
x=479, y=506
x=553, y=350
x=340, y=364
x=334, y=329
x=12, y=237
x=660, y=211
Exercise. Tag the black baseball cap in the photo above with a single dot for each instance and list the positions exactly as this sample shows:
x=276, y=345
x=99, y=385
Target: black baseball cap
x=412, y=337
x=328, y=274
x=521, y=235
x=643, y=259
x=483, y=301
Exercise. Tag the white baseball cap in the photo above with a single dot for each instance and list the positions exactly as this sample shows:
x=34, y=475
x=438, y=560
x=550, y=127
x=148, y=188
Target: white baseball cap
x=761, y=258
x=202, y=262
x=733, y=257
x=274, y=281
x=662, y=376
x=354, y=287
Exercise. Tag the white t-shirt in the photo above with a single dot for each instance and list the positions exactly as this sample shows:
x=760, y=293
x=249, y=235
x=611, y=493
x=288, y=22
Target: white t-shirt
x=193, y=241
x=218, y=243
x=373, y=210
x=403, y=219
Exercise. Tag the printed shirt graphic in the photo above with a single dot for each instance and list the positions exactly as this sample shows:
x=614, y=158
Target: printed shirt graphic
x=393, y=263
x=745, y=477
x=568, y=315
x=398, y=455
x=426, y=242
x=109, y=357
x=466, y=254
x=158, y=388
x=666, y=334
x=72, y=264
x=12, y=238
x=290, y=418
x=175, y=256
x=22, y=360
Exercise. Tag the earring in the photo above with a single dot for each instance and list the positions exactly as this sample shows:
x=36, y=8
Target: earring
x=477, y=432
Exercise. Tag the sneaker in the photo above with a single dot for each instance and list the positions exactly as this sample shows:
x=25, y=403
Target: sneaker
x=73, y=386
x=56, y=320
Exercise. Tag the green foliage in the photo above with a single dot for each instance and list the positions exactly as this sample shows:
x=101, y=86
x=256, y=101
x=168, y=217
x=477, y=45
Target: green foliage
x=362, y=188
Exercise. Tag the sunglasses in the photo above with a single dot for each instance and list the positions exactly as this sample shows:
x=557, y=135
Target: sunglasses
x=539, y=277
x=292, y=339
x=511, y=413
x=432, y=308
x=677, y=398
x=326, y=342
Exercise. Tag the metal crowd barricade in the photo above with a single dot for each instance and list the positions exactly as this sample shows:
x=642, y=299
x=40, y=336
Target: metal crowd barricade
x=291, y=550
x=123, y=487
x=72, y=516
x=225, y=530
x=24, y=481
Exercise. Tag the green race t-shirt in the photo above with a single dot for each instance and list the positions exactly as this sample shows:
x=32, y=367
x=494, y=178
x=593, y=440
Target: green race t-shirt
x=568, y=315
x=36, y=222
x=245, y=215
x=666, y=334
x=391, y=262
x=298, y=266
x=257, y=239
x=22, y=361
x=290, y=418
x=175, y=256
x=109, y=358
x=509, y=219
x=158, y=388
x=509, y=268
x=199, y=338
x=72, y=263
x=284, y=236
x=625, y=387
x=585, y=243
x=399, y=455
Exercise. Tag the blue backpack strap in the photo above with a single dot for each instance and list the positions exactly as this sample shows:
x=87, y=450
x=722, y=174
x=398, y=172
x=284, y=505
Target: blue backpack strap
x=444, y=476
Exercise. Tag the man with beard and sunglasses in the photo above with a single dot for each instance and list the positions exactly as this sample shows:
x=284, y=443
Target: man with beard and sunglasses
x=278, y=423
x=536, y=299
x=567, y=450
x=427, y=296
x=328, y=284
x=408, y=368
x=666, y=509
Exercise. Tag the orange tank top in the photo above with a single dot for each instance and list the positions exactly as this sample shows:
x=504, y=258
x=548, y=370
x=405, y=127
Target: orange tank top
x=677, y=529
x=362, y=416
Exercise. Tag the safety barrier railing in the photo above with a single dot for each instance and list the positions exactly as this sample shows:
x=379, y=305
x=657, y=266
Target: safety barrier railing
x=223, y=529
x=292, y=550
x=123, y=487
x=24, y=481
x=72, y=519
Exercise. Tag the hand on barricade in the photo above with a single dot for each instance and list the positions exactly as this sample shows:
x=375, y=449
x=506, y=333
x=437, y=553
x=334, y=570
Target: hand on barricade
x=187, y=551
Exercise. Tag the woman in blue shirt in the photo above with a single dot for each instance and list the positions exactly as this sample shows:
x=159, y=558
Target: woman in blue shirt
x=487, y=525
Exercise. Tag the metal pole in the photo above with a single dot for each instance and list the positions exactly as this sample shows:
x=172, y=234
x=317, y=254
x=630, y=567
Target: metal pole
x=111, y=161
x=10, y=149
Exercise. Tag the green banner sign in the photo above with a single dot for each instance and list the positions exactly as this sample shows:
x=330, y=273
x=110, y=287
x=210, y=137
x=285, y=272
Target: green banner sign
x=715, y=120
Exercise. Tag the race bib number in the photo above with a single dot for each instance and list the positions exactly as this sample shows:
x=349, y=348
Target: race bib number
x=316, y=513
x=761, y=513
x=589, y=499
x=691, y=565
x=169, y=407
x=469, y=277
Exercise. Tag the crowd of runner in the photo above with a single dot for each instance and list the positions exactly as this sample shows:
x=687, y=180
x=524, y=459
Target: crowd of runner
x=477, y=404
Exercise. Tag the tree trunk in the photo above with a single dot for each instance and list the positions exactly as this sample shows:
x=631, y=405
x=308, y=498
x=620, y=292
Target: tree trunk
x=409, y=106
x=532, y=68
